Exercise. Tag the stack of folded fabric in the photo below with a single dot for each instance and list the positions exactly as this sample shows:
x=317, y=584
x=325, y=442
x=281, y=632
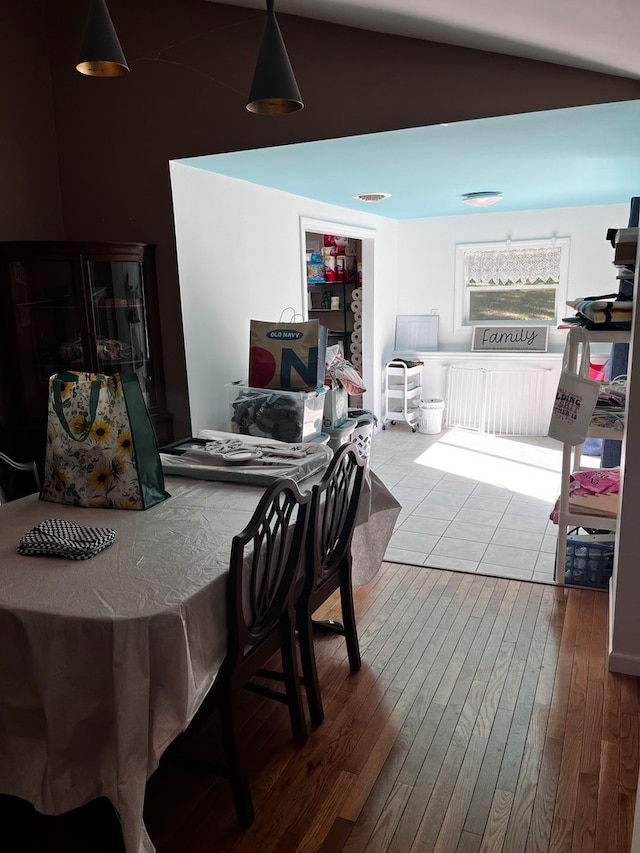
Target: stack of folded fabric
x=601, y=312
x=59, y=538
x=610, y=405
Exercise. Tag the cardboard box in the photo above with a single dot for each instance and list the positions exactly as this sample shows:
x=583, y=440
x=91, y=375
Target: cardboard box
x=626, y=247
x=315, y=268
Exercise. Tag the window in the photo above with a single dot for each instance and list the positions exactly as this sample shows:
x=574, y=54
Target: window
x=521, y=281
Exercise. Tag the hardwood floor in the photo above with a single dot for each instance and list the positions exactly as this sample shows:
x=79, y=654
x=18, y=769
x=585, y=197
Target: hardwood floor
x=483, y=720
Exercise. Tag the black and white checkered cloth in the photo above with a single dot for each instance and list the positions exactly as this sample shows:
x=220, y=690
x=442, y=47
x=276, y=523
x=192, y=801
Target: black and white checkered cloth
x=59, y=538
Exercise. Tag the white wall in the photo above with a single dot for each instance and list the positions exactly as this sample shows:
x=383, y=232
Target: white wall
x=240, y=257
x=426, y=278
x=427, y=254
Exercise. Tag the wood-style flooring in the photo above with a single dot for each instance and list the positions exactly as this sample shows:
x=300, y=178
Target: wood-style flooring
x=483, y=720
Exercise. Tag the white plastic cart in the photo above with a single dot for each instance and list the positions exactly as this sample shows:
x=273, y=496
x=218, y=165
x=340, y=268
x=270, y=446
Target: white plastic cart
x=402, y=392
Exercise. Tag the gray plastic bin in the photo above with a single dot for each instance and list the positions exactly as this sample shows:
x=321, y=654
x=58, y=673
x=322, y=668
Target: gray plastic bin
x=341, y=435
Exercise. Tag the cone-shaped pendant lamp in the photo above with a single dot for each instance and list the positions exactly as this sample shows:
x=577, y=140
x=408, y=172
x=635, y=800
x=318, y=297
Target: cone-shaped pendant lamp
x=101, y=54
x=274, y=90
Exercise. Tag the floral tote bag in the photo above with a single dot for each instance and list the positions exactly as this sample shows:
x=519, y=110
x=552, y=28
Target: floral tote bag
x=101, y=448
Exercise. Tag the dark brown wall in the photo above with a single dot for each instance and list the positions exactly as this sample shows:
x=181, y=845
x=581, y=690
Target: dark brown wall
x=191, y=66
x=30, y=194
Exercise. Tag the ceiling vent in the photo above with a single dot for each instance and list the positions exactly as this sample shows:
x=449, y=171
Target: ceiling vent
x=369, y=197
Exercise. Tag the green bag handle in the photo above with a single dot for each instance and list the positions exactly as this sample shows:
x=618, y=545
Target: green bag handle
x=59, y=408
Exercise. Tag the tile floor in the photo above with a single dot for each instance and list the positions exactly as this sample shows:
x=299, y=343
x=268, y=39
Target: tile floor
x=470, y=502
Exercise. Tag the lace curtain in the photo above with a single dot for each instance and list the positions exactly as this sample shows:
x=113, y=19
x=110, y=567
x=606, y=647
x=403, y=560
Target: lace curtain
x=491, y=267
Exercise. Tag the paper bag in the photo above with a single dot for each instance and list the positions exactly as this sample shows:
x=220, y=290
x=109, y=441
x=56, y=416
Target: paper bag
x=287, y=356
x=101, y=449
x=575, y=401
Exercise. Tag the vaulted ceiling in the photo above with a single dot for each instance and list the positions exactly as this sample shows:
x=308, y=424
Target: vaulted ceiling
x=601, y=36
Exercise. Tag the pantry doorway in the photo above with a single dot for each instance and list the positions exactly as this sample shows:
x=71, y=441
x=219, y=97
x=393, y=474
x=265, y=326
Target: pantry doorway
x=338, y=278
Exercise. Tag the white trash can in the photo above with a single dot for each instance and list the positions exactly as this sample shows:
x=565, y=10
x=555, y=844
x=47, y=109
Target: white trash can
x=430, y=416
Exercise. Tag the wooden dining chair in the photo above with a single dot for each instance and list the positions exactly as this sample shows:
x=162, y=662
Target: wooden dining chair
x=263, y=569
x=17, y=478
x=334, y=509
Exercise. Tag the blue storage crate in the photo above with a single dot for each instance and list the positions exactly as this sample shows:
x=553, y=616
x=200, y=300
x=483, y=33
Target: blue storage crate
x=589, y=560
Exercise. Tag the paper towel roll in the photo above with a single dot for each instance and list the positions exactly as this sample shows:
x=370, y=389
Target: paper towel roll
x=357, y=324
x=356, y=337
x=356, y=294
x=356, y=307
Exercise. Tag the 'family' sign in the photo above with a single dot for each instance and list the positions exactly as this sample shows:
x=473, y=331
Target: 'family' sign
x=510, y=338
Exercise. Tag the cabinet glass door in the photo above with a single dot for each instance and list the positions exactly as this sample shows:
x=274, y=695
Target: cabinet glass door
x=120, y=319
x=49, y=321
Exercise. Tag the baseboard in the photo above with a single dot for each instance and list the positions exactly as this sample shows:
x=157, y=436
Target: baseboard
x=625, y=664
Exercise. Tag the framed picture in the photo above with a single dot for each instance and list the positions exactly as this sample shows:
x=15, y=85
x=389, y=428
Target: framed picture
x=510, y=338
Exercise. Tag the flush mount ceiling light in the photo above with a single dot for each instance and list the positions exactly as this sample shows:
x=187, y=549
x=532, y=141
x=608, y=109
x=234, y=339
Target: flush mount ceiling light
x=274, y=90
x=370, y=197
x=482, y=199
x=101, y=54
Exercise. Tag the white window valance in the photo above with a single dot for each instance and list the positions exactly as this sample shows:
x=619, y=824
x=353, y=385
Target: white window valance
x=525, y=266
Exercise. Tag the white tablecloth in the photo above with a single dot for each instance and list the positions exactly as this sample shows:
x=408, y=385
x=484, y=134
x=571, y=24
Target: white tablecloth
x=104, y=661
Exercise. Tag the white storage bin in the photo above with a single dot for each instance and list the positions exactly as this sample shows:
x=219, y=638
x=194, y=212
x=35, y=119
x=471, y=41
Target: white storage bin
x=291, y=416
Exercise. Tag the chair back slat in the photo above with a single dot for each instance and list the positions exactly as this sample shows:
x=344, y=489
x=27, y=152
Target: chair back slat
x=263, y=567
x=334, y=509
x=327, y=565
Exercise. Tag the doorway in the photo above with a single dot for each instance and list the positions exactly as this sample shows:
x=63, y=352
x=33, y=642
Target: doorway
x=334, y=293
x=338, y=291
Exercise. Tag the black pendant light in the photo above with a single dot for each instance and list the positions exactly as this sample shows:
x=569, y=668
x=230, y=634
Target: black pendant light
x=274, y=90
x=101, y=54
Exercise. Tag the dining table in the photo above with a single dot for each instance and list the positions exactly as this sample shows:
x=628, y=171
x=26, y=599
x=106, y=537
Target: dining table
x=104, y=661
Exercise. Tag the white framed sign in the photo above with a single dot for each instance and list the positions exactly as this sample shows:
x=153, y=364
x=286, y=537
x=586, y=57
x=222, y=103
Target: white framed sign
x=416, y=333
x=510, y=338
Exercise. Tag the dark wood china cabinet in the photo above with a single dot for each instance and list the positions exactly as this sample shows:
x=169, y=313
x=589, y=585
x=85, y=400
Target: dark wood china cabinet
x=75, y=306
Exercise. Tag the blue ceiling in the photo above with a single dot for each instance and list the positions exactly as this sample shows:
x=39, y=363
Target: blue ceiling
x=557, y=158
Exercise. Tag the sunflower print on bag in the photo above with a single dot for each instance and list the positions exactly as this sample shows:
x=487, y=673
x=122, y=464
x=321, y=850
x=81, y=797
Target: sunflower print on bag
x=97, y=466
x=100, y=431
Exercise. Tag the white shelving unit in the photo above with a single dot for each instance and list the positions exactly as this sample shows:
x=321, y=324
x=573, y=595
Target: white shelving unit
x=402, y=393
x=571, y=456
